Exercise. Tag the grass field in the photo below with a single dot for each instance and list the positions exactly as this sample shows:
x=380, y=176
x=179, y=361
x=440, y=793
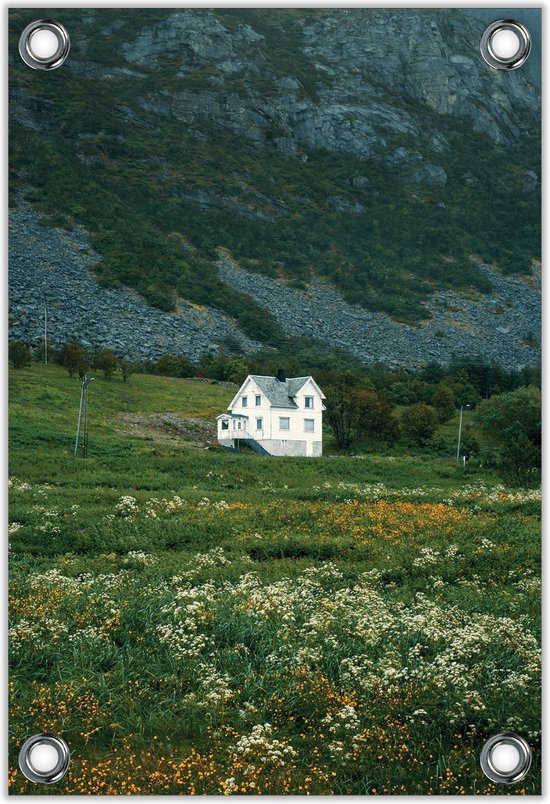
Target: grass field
x=192, y=621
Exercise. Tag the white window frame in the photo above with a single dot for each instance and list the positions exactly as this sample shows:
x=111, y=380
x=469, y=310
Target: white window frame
x=284, y=419
x=306, y=400
x=244, y=402
x=225, y=424
x=309, y=421
x=260, y=423
x=258, y=400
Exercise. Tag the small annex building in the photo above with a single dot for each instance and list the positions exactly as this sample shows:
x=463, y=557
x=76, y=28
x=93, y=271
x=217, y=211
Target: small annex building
x=275, y=416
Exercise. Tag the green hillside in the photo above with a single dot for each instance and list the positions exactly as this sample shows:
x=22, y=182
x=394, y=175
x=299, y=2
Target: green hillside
x=130, y=176
x=44, y=403
x=170, y=606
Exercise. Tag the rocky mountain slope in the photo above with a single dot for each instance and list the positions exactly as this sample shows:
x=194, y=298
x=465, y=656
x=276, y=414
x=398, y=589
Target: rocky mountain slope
x=348, y=164
x=50, y=269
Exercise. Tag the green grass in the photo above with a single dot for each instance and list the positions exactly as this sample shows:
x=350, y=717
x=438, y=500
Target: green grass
x=167, y=602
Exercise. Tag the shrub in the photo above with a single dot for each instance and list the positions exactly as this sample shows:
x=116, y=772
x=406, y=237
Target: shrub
x=444, y=403
x=106, y=361
x=469, y=446
x=75, y=359
x=419, y=423
x=175, y=366
x=236, y=370
x=512, y=423
x=377, y=421
x=19, y=354
x=127, y=368
x=343, y=409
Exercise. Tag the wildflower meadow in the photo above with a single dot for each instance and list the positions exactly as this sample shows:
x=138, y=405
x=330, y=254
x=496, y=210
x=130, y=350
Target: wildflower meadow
x=196, y=622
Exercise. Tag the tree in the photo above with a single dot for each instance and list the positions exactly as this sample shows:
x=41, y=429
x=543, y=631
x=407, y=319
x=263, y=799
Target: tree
x=443, y=401
x=75, y=359
x=402, y=394
x=464, y=392
x=168, y=365
x=348, y=407
x=127, y=368
x=419, y=423
x=376, y=420
x=175, y=366
x=19, y=354
x=469, y=446
x=187, y=368
x=106, y=361
x=236, y=370
x=432, y=372
x=512, y=423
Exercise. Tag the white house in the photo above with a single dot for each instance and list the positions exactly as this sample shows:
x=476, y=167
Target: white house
x=275, y=416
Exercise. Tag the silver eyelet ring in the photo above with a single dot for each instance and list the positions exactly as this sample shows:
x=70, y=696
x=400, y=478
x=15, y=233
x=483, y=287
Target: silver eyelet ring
x=497, y=762
x=48, y=768
x=502, y=62
x=53, y=59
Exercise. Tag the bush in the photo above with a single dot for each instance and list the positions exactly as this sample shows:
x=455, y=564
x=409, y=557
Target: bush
x=512, y=423
x=236, y=370
x=377, y=422
x=75, y=359
x=175, y=366
x=127, y=368
x=419, y=423
x=444, y=403
x=469, y=446
x=106, y=361
x=19, y=354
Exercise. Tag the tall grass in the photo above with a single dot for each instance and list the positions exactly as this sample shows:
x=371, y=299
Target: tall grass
x=192, y=621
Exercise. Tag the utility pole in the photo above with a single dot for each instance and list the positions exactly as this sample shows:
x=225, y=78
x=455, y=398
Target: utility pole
x=82, y=427
x=46, y=336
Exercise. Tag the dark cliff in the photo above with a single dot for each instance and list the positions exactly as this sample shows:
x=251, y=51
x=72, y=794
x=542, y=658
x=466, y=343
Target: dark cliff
x=369, y=157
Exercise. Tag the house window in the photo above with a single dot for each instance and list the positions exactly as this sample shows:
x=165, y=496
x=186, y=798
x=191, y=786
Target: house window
x=309, y=425
x=244, y=402
x=234, y=424
x=239, y=425
x=284, y=423
x=225, y=424
x=259, y=424
x=258, y=400
x=308, y=401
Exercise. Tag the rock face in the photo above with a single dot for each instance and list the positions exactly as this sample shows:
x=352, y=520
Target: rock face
x=192, y=38
x=50, y=268
x=499, y=325
x=349, y=83
x=358, y=59
x=385, y=44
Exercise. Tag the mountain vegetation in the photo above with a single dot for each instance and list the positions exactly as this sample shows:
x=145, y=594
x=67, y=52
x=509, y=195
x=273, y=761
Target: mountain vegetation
x=131, y=141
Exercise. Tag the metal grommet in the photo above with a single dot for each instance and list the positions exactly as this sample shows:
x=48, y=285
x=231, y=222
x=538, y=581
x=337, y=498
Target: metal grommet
x=505, y=44
x=44, y=758
x=44, y=45
x=506, y=758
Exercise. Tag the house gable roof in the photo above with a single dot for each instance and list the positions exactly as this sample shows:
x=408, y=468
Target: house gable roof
x=279, y=394
x=302, y=381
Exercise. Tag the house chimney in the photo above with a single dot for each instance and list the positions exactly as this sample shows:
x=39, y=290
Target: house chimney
x=281, y=376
